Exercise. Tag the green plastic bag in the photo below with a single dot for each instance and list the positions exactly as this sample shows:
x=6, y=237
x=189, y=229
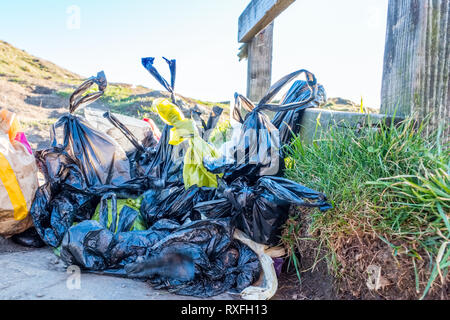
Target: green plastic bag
x=138, y=224
x=194, y=173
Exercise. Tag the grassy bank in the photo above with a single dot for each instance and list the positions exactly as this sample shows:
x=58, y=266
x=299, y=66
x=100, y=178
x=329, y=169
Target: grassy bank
x=390, y=189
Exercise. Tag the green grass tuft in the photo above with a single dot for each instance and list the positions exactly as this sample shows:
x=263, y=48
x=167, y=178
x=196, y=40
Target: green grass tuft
x=391, y=182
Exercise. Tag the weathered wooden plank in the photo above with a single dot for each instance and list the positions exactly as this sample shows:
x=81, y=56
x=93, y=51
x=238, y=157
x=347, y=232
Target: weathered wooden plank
x=417, y=61
x=243, y=52
x=338, y=120
x=259, y=70
x=258, y=15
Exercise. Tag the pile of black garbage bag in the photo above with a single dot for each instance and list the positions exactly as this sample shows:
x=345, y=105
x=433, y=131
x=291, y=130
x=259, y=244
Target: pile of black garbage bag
x=185, y=240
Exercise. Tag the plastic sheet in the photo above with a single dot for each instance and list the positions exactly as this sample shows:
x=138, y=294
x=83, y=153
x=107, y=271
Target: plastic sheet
x=269, y=284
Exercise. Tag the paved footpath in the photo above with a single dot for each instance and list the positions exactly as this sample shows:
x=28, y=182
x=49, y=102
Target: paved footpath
x=38, y=274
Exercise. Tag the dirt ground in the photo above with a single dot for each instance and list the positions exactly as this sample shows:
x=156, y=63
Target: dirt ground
x=35, y=274
x=37, y=105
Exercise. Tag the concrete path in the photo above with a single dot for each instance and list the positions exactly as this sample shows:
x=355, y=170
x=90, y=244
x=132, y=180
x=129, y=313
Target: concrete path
x=38, y=274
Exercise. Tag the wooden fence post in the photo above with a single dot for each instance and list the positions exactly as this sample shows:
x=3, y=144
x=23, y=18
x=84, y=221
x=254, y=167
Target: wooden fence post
x=256, y=32
x=259, y=69
x=417, y=61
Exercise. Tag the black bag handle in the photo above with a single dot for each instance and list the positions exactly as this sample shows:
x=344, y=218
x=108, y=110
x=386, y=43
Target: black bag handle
x=274, y=89
x=77, y=99
x=148, y=64
x=241, y=102
x=213, y=120
x=103, y=211
x=125, y=131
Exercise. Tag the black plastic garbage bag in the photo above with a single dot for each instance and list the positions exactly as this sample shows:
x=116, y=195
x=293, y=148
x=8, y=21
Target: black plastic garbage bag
x=165, y=162
x=260, y=209
x=199, y=258
x=28, y=238
x=173, y=202
x=81, y=164
x=101, y=160
x=148, y=64
x=144, y=151
x=93, y=246
x=205, y=128
x=213, y=262
x=288, y=122
x=258, y=151
x=54, y=214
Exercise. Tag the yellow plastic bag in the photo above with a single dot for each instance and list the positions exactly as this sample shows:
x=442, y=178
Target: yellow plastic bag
x=9, y=124
x=18, y=179
x=194, y=173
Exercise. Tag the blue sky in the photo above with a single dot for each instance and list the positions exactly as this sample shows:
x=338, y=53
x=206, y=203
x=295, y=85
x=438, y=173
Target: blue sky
x=342, y=42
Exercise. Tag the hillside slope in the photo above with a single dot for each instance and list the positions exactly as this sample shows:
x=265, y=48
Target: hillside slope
x=38, y=91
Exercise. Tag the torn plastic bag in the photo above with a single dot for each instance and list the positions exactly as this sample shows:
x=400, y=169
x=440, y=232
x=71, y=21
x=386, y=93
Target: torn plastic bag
x=288, y=122
x=18, y=178
x=173, y=202
x=199, y=258
x=194, y=173
x=260, y=209
x=257, y=152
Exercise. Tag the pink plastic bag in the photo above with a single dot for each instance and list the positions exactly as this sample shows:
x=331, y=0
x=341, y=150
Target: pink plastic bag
x=156, y=132
x=20, y=136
